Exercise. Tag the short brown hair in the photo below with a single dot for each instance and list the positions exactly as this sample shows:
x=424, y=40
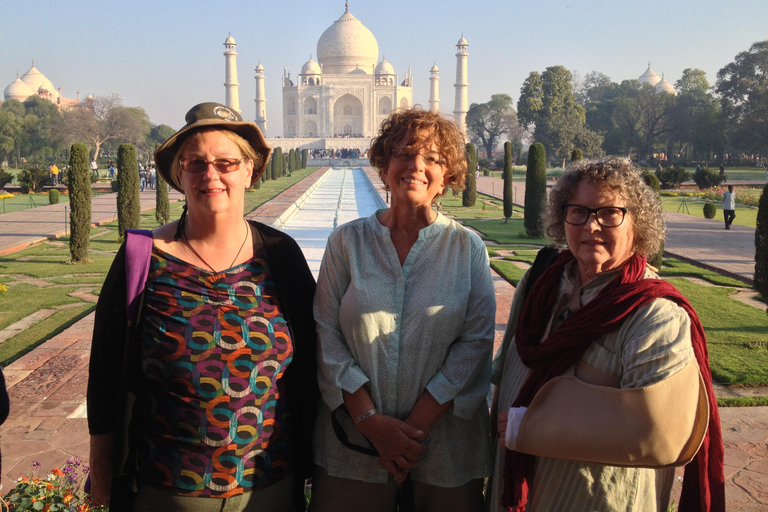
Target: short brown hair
x=619, y=175
x=414, y=121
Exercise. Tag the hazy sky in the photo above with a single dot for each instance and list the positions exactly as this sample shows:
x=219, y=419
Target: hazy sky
x=166, y=56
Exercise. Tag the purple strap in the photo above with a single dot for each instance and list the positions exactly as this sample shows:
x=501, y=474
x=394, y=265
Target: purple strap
x=138, y=249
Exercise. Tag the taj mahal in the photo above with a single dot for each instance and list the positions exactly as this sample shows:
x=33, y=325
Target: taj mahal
x=340, y=99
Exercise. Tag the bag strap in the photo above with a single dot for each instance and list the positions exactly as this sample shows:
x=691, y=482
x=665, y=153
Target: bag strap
x=343, y=437
x=138, y=251
x=544, y=259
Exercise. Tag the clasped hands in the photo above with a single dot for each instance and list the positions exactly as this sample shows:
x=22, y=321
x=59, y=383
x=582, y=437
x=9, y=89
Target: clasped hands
x=399, y=444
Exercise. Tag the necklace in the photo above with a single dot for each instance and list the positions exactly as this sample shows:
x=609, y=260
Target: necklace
x=186, y=240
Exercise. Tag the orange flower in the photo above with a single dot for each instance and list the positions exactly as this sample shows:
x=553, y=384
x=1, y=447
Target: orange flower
x=58, y=472
x=68, y=498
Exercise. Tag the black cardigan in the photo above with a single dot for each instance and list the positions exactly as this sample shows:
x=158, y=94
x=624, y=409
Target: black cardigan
x=295, y=291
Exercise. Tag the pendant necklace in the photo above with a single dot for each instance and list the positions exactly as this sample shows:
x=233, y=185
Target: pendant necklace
x=186, y=240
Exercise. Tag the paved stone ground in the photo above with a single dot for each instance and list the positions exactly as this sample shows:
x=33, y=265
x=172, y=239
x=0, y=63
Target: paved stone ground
x=47, y=386
x=25, y=227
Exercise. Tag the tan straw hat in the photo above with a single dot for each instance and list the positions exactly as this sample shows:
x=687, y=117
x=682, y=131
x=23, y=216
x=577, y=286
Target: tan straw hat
x=212, y=115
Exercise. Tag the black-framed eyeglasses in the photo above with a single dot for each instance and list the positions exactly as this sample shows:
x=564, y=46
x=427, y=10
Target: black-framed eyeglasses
x=430, y=158
x=198, y=165
x=607, y=216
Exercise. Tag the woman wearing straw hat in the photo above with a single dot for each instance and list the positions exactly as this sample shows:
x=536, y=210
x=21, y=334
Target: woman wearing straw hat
x=222, y=359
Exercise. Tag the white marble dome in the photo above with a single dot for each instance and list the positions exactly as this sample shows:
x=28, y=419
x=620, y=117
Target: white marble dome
x=311, y=67
x=230, y=40
x=664, y=86
x=346, y=46
x=35, y=80
x=17, y=90
x=462, y=42
x=649, y=77
x=384, y=68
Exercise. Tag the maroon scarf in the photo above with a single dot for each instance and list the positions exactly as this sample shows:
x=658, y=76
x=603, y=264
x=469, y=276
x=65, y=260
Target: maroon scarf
x=704, y=481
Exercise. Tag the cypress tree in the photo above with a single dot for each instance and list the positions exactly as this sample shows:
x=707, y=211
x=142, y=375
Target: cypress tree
x=284, y=161
x=304, y=158
x=469, y=197
x=267, y=174
x=277, y=163
x=535, y=190
x=128, y=200
x=508, y=183
x=79, y=177
x=576, y=155
x=162, y=204
x=761, y=245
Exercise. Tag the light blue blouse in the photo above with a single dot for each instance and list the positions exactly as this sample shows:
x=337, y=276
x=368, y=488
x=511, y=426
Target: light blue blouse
x=400, y=330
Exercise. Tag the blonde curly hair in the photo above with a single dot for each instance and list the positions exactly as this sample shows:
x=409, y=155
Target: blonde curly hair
x=618, y=174
x=424, y=128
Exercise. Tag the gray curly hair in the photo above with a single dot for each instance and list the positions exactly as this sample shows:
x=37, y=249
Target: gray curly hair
x=618, y=174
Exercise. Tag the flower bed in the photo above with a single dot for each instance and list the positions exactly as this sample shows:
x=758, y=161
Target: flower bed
x=60, y=491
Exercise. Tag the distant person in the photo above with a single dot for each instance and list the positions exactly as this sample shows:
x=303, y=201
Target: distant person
x=94, y=167
x=722, y=169
x=112, y=172
x=54, y=175
x=152, y=175
x=729, y=207
x=659, y=168
x=142, y=177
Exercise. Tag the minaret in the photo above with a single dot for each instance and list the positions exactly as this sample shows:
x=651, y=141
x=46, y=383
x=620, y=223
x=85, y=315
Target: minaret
x=461, y=85
x=434, y=89
x=261, y=100
x=230, y=79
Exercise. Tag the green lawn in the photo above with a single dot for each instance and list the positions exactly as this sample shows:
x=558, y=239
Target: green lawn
x=745, y=216
x=49, y=261
x=26, y=201
x=741, y=173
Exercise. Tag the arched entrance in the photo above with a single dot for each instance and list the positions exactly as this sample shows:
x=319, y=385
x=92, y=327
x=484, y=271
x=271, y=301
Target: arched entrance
x=348, y=116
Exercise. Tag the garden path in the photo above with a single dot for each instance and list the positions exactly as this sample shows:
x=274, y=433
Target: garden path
x=47, y=389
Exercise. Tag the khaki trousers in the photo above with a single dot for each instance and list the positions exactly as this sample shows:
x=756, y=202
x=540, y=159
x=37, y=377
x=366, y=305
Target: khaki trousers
x=333, y=494
x=275, y=498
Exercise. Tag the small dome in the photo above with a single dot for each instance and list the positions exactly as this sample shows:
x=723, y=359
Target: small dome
x=384, y=68
x=17, y=90
x=357, y=71
x=462, y=42
x=347, y=44
x=649, y=77
x=89, y=97
x=664, y=86
x=434, y=69
x=230, y=40
x=259, y=67
x=311, y=67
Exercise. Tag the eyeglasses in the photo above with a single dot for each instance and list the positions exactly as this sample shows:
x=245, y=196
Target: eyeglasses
x=430, y=158
x=607, y=216
x=198, y=165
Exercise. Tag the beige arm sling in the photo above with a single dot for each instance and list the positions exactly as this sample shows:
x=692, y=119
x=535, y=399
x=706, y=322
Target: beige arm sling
x=655, y=426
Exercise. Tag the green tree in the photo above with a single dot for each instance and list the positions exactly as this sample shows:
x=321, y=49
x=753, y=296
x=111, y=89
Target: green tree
x=268, y=169
x=643, y=116
x=761, y=245
x=159, y=133
x=531, y=100
x=162, y=203
x=697, y=124
x=277, y=163
x=79, y=178
x=33, y=179
x=10, y=133
x=304, y=156
x=469, y=195
x=743, y=87
x=128, y=198
x=535, y=190
x=708, y=178
x=487, y=122
x=576, y=155
x=508, y=182
x=692, y=80
x=53, y=196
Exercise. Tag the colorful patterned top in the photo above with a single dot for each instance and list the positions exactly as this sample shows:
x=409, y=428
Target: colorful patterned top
x=214, y=349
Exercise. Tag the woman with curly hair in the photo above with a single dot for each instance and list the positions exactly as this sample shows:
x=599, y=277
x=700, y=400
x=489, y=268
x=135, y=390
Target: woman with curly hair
x=405, y=314
x=603, y=375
